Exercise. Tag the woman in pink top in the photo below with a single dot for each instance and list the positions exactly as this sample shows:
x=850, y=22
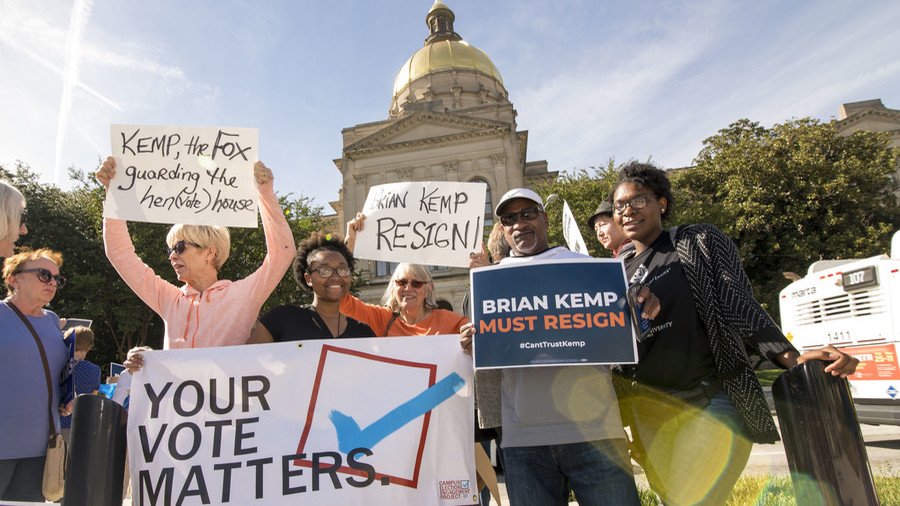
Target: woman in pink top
x=206, y=311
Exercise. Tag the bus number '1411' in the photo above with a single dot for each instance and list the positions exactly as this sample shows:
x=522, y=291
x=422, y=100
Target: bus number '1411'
x=839, y=335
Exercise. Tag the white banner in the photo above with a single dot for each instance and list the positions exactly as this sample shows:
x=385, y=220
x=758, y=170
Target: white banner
x=183, y=174
x=430, y=223
x=325, y=422
x=571, y=231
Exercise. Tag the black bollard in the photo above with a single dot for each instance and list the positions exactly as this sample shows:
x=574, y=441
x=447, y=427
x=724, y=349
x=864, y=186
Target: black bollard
x=96, y=464
x=822, y=439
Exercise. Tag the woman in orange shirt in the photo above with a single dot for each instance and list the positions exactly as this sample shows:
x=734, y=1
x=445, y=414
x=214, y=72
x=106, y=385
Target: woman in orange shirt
x=408, y=307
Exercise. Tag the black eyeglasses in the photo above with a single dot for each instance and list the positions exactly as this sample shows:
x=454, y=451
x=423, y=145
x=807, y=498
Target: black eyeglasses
x=527, y=214
x=23, y=217
x=326, y=272
x=179, y=247
x=638, y=202
x=45, y=276
x=414, y=282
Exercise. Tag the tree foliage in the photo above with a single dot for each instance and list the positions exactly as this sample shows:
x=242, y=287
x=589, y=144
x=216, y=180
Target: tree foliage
x=583, y=190
x=71, y=221
x=792, y=194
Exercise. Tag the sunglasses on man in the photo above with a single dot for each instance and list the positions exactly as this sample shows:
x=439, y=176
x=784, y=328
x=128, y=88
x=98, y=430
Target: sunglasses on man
x=44, y=276
x=527, y=214
x=179, y=247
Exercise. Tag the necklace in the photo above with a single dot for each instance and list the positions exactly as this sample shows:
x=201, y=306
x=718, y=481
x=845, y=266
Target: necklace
x=338, y=334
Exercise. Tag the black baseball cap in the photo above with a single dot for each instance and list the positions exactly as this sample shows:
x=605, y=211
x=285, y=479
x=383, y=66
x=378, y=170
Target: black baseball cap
x=605, y=208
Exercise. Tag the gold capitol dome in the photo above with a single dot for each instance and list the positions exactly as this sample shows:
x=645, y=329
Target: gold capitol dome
x=469, y=70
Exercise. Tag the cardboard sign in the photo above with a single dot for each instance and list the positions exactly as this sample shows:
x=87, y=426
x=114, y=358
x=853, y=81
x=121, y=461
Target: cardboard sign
x=571, y=231
x=181, y=174
x=326, y=422
x=552, y=312
x=429, y=223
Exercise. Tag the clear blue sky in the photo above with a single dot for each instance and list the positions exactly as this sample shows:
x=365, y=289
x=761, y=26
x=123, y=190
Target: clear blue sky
x=590, y=80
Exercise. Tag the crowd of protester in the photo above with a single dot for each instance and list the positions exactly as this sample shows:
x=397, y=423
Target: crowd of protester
x=692, y=401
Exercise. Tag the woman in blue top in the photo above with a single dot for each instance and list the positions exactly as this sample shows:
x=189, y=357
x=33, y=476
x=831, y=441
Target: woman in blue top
x=32, y=279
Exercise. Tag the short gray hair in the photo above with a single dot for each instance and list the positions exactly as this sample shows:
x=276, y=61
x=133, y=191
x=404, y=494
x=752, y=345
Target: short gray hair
x=204, y=235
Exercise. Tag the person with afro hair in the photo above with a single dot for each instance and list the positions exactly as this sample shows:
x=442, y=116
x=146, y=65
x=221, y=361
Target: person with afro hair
x=323, y=266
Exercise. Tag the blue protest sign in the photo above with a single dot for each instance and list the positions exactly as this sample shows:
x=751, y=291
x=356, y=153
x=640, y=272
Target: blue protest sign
x=552, y=312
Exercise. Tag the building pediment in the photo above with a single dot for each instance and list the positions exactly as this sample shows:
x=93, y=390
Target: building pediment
x=888, y=119
x=423, y=129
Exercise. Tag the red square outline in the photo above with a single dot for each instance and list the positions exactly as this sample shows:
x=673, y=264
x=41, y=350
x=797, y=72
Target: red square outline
x=396, y=480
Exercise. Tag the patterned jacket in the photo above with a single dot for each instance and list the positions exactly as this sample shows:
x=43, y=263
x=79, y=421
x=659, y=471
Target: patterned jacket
x=734, y=321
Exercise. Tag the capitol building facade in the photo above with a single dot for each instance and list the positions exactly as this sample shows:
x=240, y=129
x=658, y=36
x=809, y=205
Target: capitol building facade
x=450, y=119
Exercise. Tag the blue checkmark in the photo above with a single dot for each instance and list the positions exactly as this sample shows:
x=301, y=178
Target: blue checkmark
x=350, y=436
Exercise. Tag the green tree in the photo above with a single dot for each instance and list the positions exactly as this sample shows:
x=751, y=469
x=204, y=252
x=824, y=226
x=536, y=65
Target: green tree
x=792, y=194
x=583, y=190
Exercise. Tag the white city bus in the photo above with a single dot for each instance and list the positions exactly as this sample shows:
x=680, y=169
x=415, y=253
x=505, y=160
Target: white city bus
x=853, y=305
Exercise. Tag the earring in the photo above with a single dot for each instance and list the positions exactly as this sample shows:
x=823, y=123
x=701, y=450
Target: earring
x=663, y=210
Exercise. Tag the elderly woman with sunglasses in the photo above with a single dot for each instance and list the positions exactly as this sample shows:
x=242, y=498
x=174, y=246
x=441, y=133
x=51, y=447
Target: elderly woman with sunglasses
x=324, y=266
x=12, y=218
x=408, y=307
x=206, y=311
x=32, y=279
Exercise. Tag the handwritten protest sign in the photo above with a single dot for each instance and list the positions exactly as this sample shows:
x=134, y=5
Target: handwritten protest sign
x=432, y=223
x=181, y=174
x=552, y=312
x=326, y=422
x=571, y=232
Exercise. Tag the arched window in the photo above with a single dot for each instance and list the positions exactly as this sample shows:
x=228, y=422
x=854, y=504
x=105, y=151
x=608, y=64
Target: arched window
x=488, y=202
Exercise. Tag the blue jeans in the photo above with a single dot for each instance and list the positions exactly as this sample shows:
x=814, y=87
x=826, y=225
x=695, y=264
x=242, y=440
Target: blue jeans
x=696, y=455
x=599, y=472
x=21, y=479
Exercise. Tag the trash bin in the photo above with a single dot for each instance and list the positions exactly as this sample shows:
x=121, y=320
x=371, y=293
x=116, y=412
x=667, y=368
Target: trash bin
x=96, y=463
x=822, y=438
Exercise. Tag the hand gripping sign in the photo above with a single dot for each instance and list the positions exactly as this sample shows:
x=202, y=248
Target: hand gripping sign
x=182, y=174
x=552, y=312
